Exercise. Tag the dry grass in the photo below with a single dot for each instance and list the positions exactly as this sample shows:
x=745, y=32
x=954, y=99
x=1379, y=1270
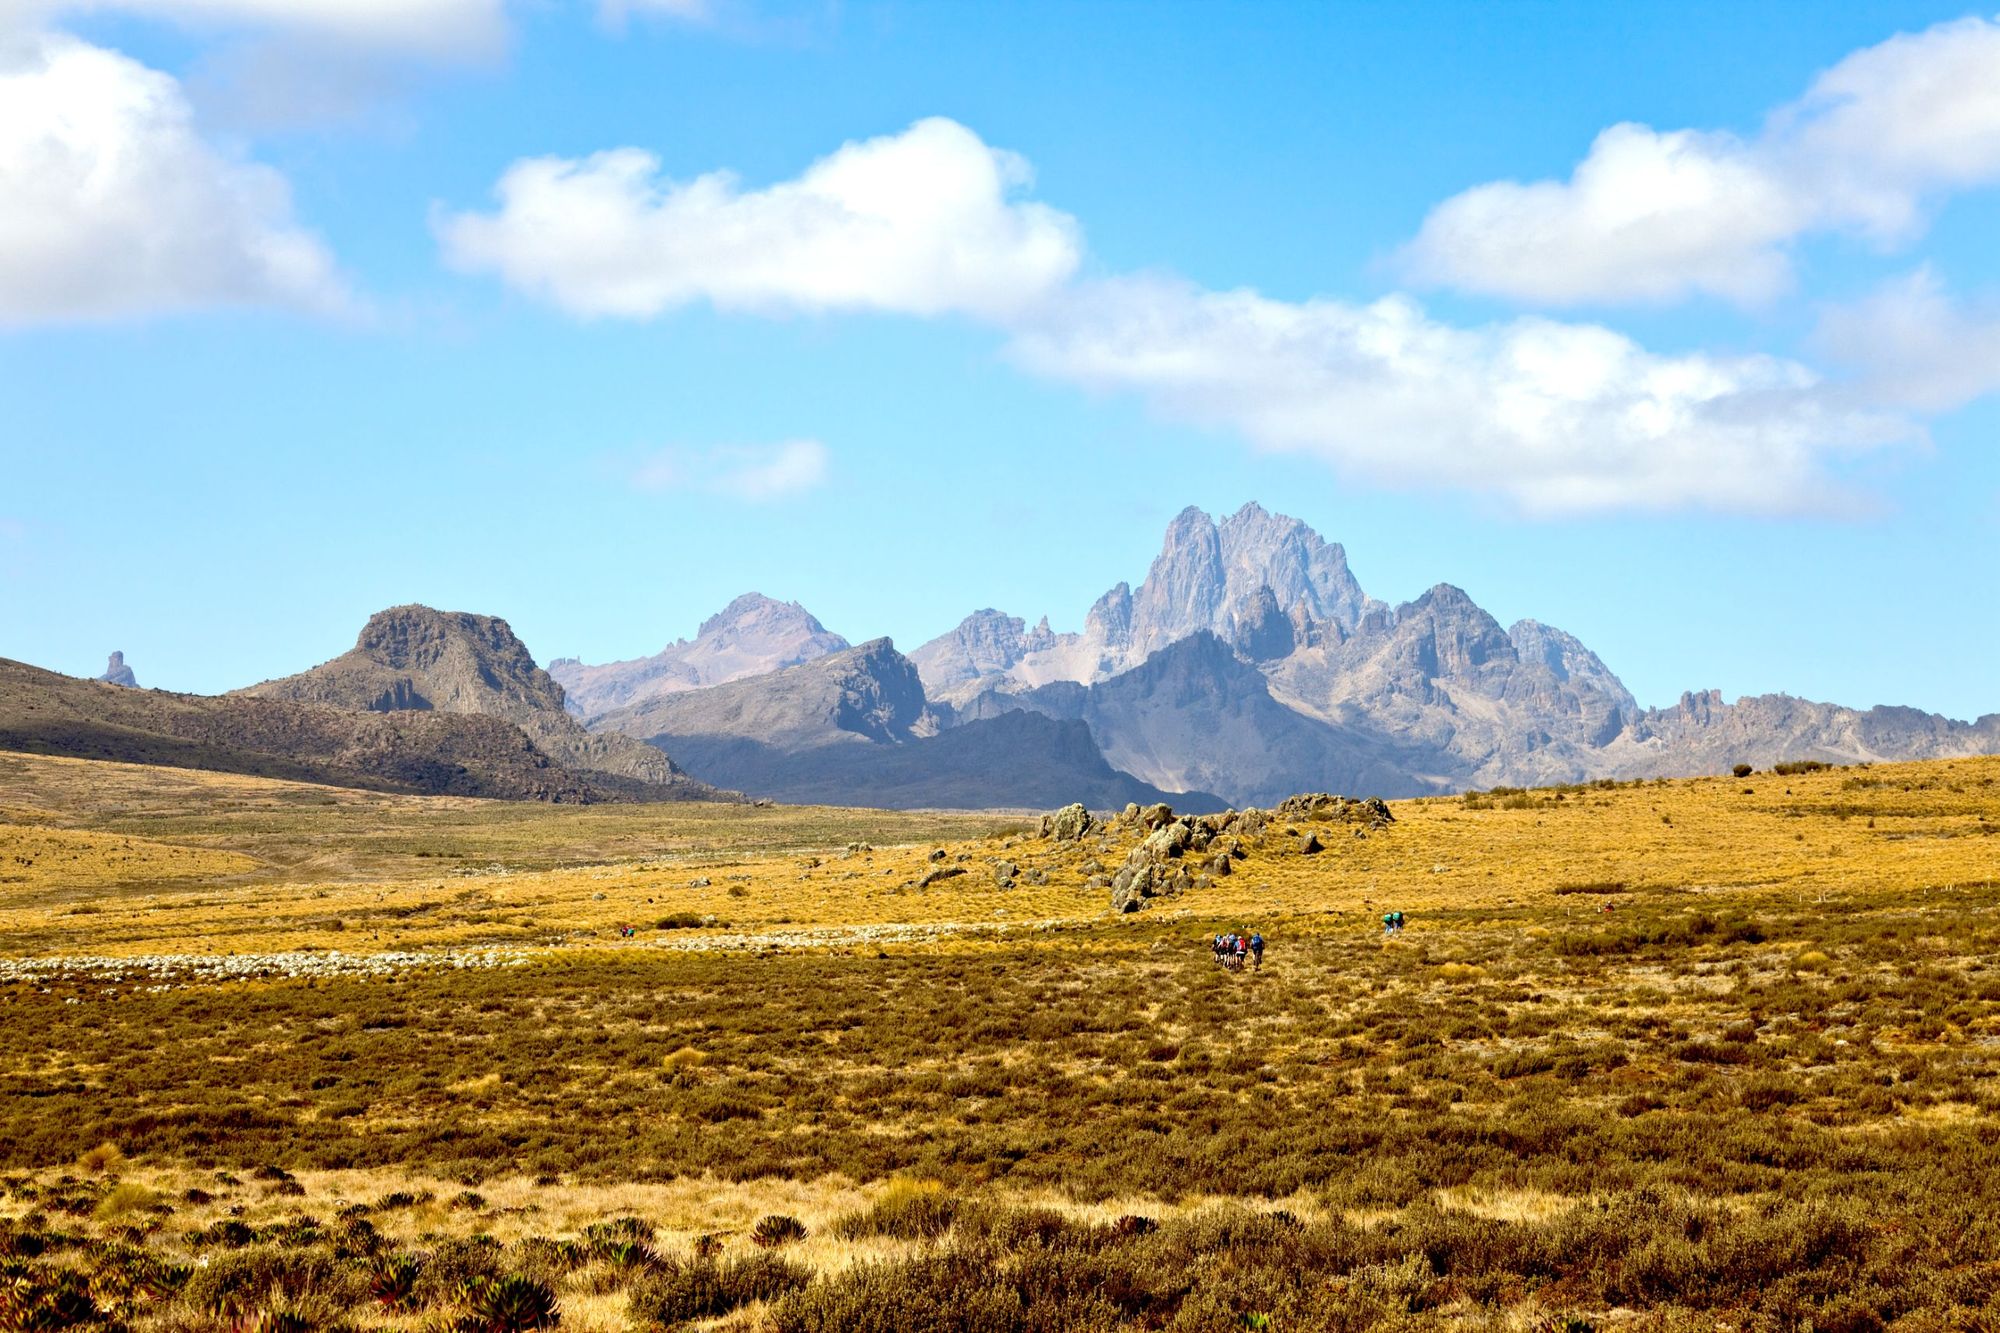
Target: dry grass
x=1761, y=1089
x=158, y=856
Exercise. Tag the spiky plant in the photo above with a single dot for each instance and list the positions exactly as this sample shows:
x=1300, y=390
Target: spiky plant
x=513, y=1304
x=278, y=1321
x=776, y=1230
x=392, y=1284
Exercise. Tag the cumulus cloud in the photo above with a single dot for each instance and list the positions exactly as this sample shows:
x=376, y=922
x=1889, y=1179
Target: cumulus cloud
x=429, y=27
x=115, y=206
x=1557, y=417
x=1650, y=215
x=1911, y=343
x=923, y=222
x=752, y=472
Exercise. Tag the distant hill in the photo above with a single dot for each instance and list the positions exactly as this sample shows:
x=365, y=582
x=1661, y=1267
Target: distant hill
x=416, y=659
x=855, y=728
x=752, y=636
x=430, y=753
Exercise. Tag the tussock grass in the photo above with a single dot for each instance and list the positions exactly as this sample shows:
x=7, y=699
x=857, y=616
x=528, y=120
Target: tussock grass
x=1760, y=1090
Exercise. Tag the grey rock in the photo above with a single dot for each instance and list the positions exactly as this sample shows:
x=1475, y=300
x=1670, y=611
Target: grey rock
x=1070, y=823
x=117, y=673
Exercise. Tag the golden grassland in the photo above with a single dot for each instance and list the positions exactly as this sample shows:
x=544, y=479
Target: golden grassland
x=156, y=859
x=1708, y=1053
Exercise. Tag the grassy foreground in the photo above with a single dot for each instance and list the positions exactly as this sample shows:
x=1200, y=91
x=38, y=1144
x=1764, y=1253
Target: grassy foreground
x=1701, y=1054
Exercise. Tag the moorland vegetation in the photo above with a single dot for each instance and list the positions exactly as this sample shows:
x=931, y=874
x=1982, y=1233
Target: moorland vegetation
x=1653, y=1055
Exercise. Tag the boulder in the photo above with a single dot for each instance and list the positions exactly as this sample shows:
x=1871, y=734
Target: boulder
x=941, y=873
x=1310, y=845
x=1068, y=824
x=1004, y=873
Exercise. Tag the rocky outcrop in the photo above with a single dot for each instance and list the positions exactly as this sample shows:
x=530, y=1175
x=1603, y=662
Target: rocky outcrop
x=416, y=659
x=1068, y=824
x=984, y=644
x=1194, y=716
x=752, y=636
x=867, y=694
x=856, y=728
x=117, y=673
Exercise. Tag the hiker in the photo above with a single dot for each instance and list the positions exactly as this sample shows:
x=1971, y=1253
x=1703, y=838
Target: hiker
x=1240, y=950
x=1257, y=951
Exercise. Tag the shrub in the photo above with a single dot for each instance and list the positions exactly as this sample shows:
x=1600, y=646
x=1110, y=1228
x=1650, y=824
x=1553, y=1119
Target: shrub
x=907, y=1210
x=1743, y=770
x=676, y=1292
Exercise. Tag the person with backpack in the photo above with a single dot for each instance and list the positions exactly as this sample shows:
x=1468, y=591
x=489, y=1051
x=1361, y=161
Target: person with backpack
x=1257, y=951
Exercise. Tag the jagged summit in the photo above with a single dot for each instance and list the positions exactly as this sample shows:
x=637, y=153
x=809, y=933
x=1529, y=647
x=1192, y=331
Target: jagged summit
x=117, y=673
x=1209, y=576
x=751, y=636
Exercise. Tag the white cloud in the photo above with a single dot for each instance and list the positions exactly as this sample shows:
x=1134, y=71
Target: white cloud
x=115, y=206
x=753, y=472
x=1557, y=417
x=429, y=27
x=1912, y=344
x=919, y=222
x=1554, y=417
x=1655, y=216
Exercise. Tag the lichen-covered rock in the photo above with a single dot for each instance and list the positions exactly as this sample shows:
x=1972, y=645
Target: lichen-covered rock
x=1068, y=824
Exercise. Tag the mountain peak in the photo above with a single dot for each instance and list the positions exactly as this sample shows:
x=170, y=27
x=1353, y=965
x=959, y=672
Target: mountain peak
x=754, y=609
x=751, y=636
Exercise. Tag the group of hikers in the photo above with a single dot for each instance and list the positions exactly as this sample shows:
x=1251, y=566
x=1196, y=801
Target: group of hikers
x=1392, y=924
x=1233, y=950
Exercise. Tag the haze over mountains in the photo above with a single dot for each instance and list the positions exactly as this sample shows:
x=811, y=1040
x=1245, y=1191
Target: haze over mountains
x=1249, y=664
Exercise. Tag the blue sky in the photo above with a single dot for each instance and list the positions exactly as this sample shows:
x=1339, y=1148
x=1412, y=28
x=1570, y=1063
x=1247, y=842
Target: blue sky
x=989, y=294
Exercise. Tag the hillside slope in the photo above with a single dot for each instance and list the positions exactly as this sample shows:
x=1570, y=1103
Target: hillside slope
x=416, y=659
x=429, y=753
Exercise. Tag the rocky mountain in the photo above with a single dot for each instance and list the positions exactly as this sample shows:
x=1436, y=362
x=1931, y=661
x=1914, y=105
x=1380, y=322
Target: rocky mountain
x=752, y=636
x=1257, y=579
x=856, y=728
x=1195, y=715
x=1296, y=680
x=117, y=673
x=416, y=659
x=427, y=753
x=1703, y=734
